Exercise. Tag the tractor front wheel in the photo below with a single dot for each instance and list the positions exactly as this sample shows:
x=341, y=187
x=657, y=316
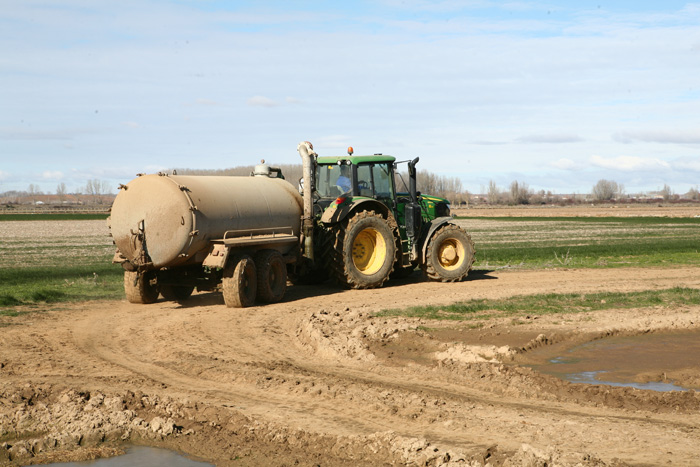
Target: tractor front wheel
x=450, y=254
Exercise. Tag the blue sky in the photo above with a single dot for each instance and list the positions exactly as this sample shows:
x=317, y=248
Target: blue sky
x=553, y=94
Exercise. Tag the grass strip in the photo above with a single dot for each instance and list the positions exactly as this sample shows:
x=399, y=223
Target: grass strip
x=549, y=304
x=27, y=286
x=593, y=220
x=625, y=252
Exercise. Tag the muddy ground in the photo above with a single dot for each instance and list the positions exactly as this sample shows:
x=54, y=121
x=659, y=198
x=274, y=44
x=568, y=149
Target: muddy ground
x=317, y=380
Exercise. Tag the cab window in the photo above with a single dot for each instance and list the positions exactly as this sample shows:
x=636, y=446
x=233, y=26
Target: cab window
x=329, y=183
x=374, y=180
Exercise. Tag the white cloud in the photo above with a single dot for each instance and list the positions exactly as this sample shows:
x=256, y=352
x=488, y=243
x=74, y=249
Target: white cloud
x=52, y=175
x=333, y=142
x=659, y=136
x=565, y=164
x=550, y=138
x=262, y=101
x=630, y=163
x=4, y=175
x=687, y=164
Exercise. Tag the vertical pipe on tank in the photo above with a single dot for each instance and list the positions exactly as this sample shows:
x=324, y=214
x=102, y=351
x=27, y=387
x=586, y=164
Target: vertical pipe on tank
x=306, y=151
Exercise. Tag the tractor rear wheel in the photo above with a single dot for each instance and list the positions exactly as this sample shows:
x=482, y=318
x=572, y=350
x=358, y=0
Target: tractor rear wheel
x=450, y=254
x=239, y=283
x=364, y=251
x=140, y=287
x=176, y=293
x=272, y=275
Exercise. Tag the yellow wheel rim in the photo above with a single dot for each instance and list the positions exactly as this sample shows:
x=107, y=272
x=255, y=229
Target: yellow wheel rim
x=369, y=251
x=451, y=254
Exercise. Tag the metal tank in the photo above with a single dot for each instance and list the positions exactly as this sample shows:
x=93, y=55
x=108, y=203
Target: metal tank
x=167, y=220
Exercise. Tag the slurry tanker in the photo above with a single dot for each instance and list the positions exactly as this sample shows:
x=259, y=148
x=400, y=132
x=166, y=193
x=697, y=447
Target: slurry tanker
x=248, y=235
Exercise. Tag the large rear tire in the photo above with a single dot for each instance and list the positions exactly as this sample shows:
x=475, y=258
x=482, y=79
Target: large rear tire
x=239, y=283
x=140, y=287
x=450, y=254
x=364, y=251
x=272, y=276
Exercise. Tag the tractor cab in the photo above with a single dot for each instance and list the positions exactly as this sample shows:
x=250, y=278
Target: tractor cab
x=367, y=176
x=353, y=178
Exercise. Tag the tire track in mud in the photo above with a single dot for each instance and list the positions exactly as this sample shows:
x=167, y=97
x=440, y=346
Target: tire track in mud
x=230, y=382
x=262, y=338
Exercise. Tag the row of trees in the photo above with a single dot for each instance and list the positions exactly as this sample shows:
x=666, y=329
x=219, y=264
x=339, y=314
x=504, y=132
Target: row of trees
x=95, y=191
x=604, y=190
x=452, y=189
x=98, y=191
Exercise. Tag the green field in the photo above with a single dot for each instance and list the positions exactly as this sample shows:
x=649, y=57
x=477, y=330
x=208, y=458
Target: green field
x=47, y=260
x=56, y=258
x=583, y=242
x=544, y=304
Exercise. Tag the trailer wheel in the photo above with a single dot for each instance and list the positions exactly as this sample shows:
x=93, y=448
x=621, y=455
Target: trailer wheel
x=272, y=275
x=140, y=287
x=176, y=293
x=239, y=282
x=450, y=254
x=364, y=251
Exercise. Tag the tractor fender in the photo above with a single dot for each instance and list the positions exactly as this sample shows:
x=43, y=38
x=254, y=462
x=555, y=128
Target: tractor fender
x=434, y=225
x=338, y=212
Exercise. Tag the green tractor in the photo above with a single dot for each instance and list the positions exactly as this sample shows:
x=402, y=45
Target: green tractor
x=359, y=229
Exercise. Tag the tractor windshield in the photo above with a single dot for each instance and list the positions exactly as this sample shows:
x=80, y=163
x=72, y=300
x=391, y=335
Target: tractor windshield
x=373, y=180
x=333, y=180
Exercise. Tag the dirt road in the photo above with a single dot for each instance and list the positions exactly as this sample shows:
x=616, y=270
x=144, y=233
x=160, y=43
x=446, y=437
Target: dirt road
x=317, y=380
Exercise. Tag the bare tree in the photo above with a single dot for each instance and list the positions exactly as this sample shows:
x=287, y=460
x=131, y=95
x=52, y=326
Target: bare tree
x=95, y=189
x=493, y=193
x=693, y=194
x=107, y=188
x=605, y=190
x=666, y=193
x=519, y=193
x=61, y=192
x=33, y=191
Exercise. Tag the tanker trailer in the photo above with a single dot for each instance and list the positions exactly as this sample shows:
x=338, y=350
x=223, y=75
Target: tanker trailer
x=175, y=233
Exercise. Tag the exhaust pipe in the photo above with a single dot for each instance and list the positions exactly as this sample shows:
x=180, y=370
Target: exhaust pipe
x=306, y=151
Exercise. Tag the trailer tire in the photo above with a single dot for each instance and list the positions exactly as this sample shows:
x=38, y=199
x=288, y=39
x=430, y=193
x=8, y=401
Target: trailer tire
x=176, y=293
x=272, y=275
x=364, y=252
x=239, y=282
x=140, y=287
x=450, y=254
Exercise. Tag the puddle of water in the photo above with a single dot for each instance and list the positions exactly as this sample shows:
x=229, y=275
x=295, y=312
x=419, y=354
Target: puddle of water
x=646, y=361
x=140, y=456
x=592, y=377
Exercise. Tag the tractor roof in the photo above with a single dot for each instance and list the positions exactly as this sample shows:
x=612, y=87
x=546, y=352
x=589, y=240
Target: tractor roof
x=355, y=159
